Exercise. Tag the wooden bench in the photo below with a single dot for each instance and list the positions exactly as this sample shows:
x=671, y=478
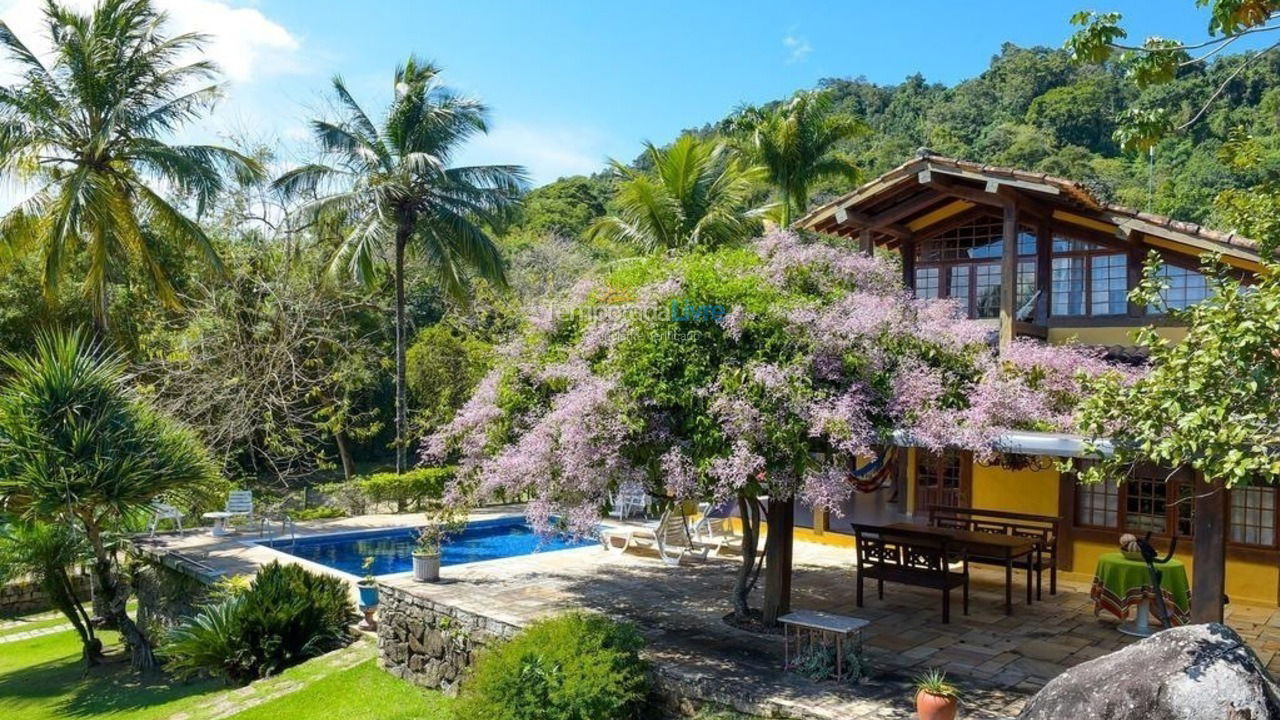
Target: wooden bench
x=1044, y=529
x=911, y=557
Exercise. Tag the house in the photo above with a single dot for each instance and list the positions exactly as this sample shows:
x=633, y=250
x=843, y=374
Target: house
x=1042, y=256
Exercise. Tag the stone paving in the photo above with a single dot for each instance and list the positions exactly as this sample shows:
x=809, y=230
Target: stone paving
x=38, y=632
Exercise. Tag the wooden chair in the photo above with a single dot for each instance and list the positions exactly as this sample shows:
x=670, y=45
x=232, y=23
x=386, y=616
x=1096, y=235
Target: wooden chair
x=1044, y=529
x=911, y=557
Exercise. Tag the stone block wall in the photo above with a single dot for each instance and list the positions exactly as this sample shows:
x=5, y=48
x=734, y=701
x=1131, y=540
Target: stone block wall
x=23, y=597
x=428, y=643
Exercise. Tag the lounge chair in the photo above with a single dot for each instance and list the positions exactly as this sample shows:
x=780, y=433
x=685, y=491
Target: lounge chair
x=669, y=536
x=240, y=504
x=161, y=511
x=715, y=529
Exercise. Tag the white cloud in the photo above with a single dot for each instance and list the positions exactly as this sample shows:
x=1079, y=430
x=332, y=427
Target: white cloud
x=243, y=42
x=547, y=152
x=798, y=47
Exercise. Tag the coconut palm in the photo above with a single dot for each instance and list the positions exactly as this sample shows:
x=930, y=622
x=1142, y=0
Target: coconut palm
x=796, y=142
x=47, y=553
x=85, y=133
x=78, y=445
x=695, y=192
x=394, y=188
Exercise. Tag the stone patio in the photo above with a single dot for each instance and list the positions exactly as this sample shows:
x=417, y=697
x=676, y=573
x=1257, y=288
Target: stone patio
x=998, y=660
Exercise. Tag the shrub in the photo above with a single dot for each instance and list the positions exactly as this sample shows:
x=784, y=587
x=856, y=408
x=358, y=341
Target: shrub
x=284, y=617
x=321, y=512
x=573, y=667
x=406, y=490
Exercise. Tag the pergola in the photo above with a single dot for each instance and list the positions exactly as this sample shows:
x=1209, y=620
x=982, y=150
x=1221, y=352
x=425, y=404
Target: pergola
x=930, y=195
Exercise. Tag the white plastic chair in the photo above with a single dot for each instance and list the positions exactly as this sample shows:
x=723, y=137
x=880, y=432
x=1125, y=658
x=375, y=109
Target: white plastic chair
x=630, y=500
x=669, y=536
x=240, y=502
x=161, y=511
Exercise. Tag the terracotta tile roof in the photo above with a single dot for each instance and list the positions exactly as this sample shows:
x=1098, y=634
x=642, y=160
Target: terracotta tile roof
x=1075, y=192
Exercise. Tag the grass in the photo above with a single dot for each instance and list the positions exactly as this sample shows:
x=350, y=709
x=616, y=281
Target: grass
x=43, y=679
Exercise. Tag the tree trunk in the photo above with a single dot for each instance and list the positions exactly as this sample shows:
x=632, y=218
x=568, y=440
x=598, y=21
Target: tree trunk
x=781, y=519
x=344, y=452
x=750, y=515
x=116, y=596
x=62, y=594
x=402, y=241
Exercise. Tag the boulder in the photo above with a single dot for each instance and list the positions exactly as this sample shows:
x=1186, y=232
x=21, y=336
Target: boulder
x=1197, y=672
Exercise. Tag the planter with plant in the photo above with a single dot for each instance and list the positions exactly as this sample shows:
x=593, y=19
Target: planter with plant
x=936, y=699
x=441, y=523
x=368, y=588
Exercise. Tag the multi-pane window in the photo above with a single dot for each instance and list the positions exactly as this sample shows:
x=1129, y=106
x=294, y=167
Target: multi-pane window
x=927, y=282
x=1185, y=287
x=1154, y=500
x=1253, y=516
x=939, y=479
x=967, y=262
x=1087, y=279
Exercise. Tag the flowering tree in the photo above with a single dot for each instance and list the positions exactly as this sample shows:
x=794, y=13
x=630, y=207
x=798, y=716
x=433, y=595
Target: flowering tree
x=734, y=375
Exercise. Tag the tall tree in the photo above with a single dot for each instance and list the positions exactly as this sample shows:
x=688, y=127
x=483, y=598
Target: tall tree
x=78, y=445
x=796, y=141
x=86, y=131
x=396, y=189
x=695, y=193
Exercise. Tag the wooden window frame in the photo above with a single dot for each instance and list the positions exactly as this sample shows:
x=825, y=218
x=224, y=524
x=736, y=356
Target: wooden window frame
x=970, y=301
x=965, y=460
x=1087, y=255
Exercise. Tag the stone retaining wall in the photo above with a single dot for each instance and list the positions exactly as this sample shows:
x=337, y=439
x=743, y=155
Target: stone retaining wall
x=22, y=597
x=430, y=644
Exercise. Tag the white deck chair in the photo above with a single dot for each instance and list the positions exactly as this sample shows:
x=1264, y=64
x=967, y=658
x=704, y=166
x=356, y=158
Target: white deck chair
x=717, y=533
x=632, y=499
x=668, y=536
x=240, y=502
x=161, y=511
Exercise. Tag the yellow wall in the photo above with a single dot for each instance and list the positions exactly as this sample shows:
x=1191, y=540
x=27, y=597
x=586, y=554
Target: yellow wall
x=1107, y=335
x=1025, y=491
x=1249, y=582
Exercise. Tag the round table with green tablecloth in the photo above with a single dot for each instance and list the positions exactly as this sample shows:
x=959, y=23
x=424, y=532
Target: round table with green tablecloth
x=1120, y=583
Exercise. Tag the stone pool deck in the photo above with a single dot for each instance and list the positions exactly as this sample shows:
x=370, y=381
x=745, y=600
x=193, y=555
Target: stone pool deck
x=998, y=660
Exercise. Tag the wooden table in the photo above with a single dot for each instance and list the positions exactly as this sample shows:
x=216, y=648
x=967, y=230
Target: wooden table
x=1004, y=547
x=825, y=625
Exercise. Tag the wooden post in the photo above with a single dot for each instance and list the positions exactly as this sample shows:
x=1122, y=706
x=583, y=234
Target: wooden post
x=1044, y=270
x=1133, y=272
x=864, y=239
x=908, y=250
x=1209, y=576
x=1009, y=274
x=781, y=517
x=1067, y=513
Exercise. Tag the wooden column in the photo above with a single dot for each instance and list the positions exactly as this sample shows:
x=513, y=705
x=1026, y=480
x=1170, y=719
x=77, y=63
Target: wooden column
x=1009, y=274
x=864, y=240
x=1044, y=270
x=1133, y=273
x=1067, y=515
x=1209, y=571
x=781, y=517
x=908, y=250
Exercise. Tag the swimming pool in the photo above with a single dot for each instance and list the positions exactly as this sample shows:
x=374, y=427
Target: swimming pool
x=392, y=549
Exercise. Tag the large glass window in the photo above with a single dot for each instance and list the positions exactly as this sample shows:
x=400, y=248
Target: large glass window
x=1253, y=516
x=1185, y=287
x=1087, y=279
x=966, y=261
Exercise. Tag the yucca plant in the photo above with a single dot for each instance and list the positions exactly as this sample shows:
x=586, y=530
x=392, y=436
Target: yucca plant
x=694, y=193
x=87, y=131
x=78, y=445
x=797, y=142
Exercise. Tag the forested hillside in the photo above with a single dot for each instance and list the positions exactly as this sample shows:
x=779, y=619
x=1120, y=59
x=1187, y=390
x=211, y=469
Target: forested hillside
x=1034, y=109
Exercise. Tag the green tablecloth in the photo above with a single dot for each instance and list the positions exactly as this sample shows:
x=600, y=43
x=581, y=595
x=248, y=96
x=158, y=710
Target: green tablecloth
x=1120, y=583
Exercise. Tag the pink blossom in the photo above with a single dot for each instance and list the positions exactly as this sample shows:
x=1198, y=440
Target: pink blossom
x=826, y=487
x=734, y=322
x=734, y=471
x=679, y=474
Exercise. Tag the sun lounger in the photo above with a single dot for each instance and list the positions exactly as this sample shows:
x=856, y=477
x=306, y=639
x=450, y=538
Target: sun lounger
x=669, y=536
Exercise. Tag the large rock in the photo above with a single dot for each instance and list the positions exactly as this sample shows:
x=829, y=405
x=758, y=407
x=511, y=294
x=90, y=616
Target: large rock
x=1198, y=672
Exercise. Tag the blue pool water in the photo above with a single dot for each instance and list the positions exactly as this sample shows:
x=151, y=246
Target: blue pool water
x=392, y=549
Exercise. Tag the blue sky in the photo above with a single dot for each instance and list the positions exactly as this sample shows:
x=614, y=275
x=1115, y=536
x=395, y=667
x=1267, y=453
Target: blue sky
x=572, y=83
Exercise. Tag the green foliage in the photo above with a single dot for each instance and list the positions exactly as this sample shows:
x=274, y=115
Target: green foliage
x=48, y=553
x=442, y=368
x=323, y=512
x=817, y=661
x=286, y=616
x=565, y=207
x=697, y=193
x=573, y=667
x=407, y=490
x=934, y=682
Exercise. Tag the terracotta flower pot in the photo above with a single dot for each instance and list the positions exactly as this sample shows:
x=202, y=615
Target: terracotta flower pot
x=935, y=707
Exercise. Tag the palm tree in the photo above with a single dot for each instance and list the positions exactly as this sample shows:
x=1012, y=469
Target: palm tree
x=696, y=192
x=47, y=552
x=77, y=445
x=796, y=143
x=394, y=187
x=85, y=132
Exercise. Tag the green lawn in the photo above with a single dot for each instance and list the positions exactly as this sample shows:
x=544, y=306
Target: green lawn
x=42, y=679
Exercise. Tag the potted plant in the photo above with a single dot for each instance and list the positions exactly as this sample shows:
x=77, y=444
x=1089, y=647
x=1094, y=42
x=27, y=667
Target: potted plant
x=368, y=586
x=936, y=699
x=441, y=522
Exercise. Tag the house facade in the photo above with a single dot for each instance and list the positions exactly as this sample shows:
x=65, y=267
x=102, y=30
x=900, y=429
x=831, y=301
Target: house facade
x=1041, y=256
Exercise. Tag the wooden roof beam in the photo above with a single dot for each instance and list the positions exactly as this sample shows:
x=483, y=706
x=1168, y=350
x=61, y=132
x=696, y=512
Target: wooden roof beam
x=862, y=221
x=964, y=192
